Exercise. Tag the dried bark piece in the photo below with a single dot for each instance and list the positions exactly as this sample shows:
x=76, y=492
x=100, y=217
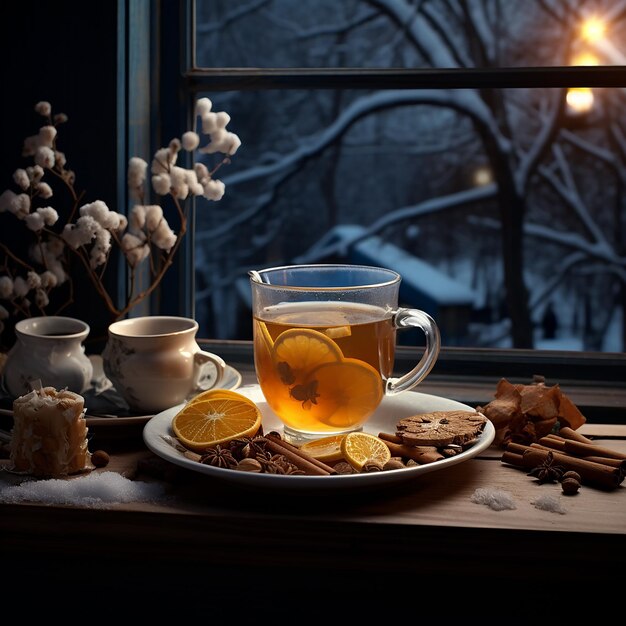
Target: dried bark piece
x=440, y=428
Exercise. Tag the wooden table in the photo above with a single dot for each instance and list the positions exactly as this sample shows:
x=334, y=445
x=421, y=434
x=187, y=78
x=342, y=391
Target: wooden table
x=403, y=544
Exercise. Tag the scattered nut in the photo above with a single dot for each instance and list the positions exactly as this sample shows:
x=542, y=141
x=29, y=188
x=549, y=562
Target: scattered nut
x=249, y=465
x=571, y=474
x=411, y=463
x=100, y=458
x=570, y=486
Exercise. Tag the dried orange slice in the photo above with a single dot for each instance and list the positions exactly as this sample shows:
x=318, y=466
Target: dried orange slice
x=347, y=392
x=326, y=449
x=303, y=349
x=215, y=393
x=360, y=448
x=216, y=419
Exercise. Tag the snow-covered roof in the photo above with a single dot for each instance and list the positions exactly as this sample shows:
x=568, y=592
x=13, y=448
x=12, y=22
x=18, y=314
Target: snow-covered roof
x=417, y=275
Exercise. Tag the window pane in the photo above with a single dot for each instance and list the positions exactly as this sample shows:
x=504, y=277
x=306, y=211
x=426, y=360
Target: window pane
x=408, y=33
x=494, y=209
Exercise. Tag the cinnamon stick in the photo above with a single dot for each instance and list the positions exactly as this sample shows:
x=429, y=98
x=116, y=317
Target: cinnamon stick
x=612, y=462
x=304, y=461
x=577, y=448
x=592, y=473
x=421, y=454
x=390, y=437
x=569, y=433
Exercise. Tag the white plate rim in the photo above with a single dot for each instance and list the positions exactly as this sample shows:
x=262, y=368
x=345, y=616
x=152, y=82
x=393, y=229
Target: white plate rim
x=160, y=425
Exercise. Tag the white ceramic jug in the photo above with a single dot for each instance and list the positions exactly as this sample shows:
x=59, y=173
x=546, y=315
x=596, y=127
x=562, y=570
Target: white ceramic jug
x=48, y=349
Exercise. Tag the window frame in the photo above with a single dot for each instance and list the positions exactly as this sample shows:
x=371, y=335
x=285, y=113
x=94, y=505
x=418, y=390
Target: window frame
x=180, y=80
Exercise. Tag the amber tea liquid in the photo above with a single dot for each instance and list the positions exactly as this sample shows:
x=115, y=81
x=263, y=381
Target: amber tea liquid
x=322, y=365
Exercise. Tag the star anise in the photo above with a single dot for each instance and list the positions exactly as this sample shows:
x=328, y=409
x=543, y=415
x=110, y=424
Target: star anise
x=247, y=447
x=547, y=471
x=219, y=457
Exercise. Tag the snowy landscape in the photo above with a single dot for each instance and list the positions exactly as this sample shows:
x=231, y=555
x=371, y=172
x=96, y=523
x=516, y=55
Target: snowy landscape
x=515, y=196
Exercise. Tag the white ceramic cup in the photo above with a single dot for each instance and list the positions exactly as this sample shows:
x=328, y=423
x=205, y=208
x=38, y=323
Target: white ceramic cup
x=154, y=362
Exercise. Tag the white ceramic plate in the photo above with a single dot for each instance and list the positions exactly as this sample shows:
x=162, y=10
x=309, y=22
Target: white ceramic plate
x=384, y=419
x=231, y=380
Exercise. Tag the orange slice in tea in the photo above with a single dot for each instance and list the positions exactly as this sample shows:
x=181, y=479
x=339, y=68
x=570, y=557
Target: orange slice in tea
x=360, y=448
x=347, y=392
x=326, y=449
x=216, y=419
x=303, y=349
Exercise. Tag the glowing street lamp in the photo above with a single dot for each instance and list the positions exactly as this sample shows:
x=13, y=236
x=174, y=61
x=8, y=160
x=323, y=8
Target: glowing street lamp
x=482, y=176
x=579, y=99
x=593, y=29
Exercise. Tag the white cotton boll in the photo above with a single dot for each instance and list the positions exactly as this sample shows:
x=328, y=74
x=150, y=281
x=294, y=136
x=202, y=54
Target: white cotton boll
x=162, y=183
x=190, y=141
x=41, y=298
x=163, y=160
x=232, y=144
x=209, y=123
x=7, y=198
x=101, y=213
x=33, y=280
x=6, y=287
x=44, y=157
x=180, y=191
x=4, y=314
x=163, y=237
x=47, y=135
x=44, y=190
x=222, y=119
x=175, y=145
x=214, y=189
x=123, y=222
x=154, y=214
x=20, y=287
x=201, y=171
x=71, y=235
x=43, y=108
x=59, y=158
x=35, y=173
x=20, y=206
x=137, y=217
x=137, y=169
x=48, y=279
x=34, y=221
x=49, y=215
x=97, y=257
x=20, y=177
x=130, y=241
x=203, y=106
x=192, y=181
x=57, y=269
x=134, y=249
x=60, y=118
x=180, y=188
x=82, y=232
x=210, y=148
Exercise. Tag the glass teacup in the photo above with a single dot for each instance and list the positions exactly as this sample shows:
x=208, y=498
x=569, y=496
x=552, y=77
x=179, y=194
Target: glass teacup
x=324, y=344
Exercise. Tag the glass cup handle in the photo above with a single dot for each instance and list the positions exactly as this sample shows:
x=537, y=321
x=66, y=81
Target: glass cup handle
x=414, y=318
x=200, y=360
